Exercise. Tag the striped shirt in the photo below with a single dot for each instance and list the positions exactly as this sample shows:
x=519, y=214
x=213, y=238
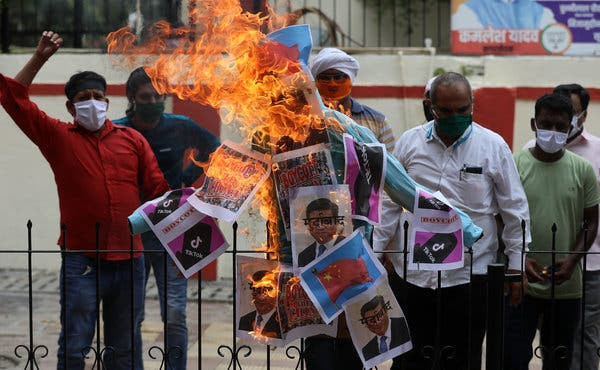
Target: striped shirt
x=374, y=121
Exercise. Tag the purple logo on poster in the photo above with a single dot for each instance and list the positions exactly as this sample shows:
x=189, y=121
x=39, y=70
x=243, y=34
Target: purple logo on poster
x=437, y=248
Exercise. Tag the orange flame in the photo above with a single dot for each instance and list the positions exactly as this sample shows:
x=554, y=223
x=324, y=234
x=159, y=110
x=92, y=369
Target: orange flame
x=224, y=60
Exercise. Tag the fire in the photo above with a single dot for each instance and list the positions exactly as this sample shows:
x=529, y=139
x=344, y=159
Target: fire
x=224, y=59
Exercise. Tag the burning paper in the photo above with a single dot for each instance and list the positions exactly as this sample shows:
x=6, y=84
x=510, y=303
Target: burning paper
x=233, y=176
x=192, y=239
x=320, y=219
x=365, y=174
x=436, y=237
x=256, y=300
x=343, y=272
x=308, y=166
x=378, y=327
x=299, y=317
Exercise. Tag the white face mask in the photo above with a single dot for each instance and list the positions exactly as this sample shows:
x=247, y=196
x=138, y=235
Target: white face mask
x=91, y=114
x=575, y=122
x=550, y=141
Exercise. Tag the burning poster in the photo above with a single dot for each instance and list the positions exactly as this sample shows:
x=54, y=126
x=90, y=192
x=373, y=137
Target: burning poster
x=191, y=238
x=308, y=166
x=343, y=272
x=320, y=217
x=298, y=316
x=437, y=242
x=365, y=174
x=256, y=300
x=377, y=325
x=233, y=177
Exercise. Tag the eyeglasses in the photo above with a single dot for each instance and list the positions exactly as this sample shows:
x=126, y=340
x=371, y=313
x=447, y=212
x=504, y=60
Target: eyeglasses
x=261, y=290
x=376, y=318
x=332, y=77
x=324, y=221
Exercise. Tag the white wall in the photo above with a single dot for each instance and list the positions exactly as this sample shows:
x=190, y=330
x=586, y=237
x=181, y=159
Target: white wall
x=29, y=191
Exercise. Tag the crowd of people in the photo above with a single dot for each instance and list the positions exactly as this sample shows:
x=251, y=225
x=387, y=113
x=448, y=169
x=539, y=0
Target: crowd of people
x=104, y=170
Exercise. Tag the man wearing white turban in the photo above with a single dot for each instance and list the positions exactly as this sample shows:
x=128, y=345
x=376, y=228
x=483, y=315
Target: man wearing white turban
x=335, y=72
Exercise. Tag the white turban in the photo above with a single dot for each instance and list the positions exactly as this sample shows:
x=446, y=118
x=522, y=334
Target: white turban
x=332, y=58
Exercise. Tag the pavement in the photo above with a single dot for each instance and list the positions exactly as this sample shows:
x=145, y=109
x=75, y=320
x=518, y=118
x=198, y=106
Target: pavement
x=209, y=326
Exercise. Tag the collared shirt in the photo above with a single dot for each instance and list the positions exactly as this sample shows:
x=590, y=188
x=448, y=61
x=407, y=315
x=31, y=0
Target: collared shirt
x=497, y=189
x=587, y=146
x=99, y=178
x=327, y=245
x=265, y=318
x=169, y=141
x=374, y=121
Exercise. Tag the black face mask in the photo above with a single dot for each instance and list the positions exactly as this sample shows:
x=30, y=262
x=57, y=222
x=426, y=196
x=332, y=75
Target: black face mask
x=427, y=112
x=150, y=112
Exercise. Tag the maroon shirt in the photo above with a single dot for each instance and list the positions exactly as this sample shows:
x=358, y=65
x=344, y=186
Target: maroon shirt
x=99, y=178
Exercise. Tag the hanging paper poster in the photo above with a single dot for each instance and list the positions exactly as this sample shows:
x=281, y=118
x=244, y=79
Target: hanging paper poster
x=192, y=239
x=365, y=174
x=343, y=272
x=436, y=234
x=233, y=177
x=378, y=327
x=320, y=217
x=308, y=166
x=298, y=316
x=256, y=300
x=540, y=27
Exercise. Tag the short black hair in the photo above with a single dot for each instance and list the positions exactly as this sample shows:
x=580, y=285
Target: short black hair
x=577, y=89
x=72, y=86
x=137, y=78
x=372, y=304
x=322, y=204
x=554, y=103
x=448, y=79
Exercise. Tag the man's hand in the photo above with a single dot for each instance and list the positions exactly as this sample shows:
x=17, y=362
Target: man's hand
x=533, y=270
x=514, y=289
x=49, y=43
x=564, y=269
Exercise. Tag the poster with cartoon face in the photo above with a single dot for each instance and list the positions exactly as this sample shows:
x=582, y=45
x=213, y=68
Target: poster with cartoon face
x=377, y=325
x=320, y=218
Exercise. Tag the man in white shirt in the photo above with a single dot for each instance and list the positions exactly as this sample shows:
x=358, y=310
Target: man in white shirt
x=502, y=14
x=586, y=145
x=474, y=169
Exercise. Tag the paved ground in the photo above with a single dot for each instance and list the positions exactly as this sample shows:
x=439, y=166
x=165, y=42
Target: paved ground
x=214, y=325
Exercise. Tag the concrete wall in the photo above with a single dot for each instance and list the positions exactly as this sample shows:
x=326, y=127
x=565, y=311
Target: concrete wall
x=390, y=83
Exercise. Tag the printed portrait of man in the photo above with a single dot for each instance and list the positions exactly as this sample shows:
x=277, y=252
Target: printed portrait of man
x=264, y=320
x=322, y=221
x=389, y=332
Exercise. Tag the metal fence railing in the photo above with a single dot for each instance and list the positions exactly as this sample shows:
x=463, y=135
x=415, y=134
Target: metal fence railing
x=342, y=23
x=233, y=353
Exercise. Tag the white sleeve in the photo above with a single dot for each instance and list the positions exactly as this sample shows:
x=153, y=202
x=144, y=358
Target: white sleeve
x=547, y=18
x=512, y=206
x=388, y=226
x=465, y=18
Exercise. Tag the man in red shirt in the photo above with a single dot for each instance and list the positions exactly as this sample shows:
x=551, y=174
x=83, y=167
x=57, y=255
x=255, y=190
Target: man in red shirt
x=101, y=172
